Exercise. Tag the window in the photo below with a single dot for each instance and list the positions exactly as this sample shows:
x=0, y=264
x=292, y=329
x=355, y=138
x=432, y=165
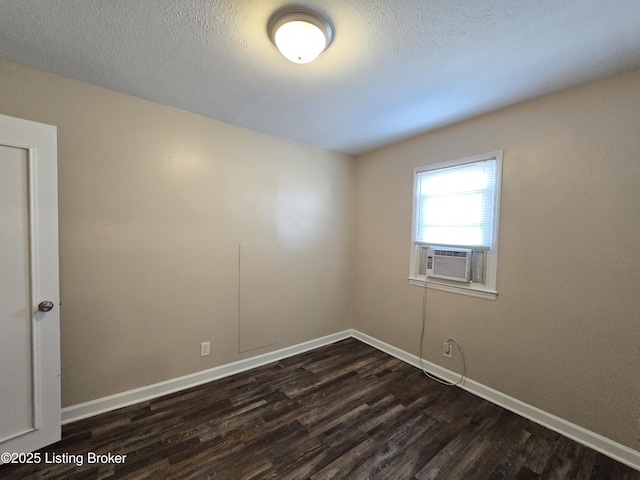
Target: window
x=456, y=208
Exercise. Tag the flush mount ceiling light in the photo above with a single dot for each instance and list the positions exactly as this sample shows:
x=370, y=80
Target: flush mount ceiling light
x=301, y=34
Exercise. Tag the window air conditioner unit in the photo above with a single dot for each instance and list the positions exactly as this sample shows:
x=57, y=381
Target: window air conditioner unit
x=448, y=264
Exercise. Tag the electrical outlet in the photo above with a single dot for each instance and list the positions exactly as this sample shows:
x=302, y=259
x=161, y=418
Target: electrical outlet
x=446, y=349
x=205, y=349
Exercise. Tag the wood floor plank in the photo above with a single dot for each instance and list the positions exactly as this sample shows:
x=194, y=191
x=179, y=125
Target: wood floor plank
x=342, y=411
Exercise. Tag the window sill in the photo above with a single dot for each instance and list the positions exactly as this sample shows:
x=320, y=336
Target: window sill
x=471, y=291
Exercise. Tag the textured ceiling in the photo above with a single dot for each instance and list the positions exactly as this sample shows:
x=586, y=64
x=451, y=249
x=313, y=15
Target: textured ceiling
x=395, y=68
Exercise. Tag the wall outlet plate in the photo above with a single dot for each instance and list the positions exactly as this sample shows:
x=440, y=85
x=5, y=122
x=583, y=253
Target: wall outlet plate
x=447, y=350
x=205, y=349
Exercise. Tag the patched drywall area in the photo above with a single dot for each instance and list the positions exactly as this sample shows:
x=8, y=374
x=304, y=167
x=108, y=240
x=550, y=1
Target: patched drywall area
x=258, y=296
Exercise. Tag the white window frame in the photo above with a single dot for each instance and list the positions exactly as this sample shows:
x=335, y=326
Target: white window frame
x=488, y=290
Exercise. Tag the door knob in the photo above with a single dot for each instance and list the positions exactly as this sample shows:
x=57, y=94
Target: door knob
x=45, y=306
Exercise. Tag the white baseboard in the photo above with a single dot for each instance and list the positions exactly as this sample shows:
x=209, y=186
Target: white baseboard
x=586, y=437
x=581, y=435
x=131, y=397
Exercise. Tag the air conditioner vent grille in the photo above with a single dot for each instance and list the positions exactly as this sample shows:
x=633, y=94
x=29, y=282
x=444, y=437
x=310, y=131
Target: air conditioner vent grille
x=451, y=253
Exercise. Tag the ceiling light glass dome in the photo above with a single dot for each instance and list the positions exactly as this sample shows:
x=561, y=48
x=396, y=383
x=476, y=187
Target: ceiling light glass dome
x=301, y=34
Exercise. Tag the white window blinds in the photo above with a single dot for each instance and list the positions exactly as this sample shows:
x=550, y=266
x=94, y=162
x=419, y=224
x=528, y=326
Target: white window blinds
x=455, y=205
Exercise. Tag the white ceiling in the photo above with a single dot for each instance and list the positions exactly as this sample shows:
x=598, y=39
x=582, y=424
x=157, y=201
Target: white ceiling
x=395, y=68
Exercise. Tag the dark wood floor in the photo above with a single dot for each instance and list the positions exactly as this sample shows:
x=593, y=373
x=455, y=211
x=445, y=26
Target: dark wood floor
x=341, y=411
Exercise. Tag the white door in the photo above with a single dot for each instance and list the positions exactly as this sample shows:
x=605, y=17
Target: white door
x=29, y=291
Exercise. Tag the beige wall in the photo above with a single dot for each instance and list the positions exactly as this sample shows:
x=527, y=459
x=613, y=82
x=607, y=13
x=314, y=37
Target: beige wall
x=154, y=203
x=564, y=333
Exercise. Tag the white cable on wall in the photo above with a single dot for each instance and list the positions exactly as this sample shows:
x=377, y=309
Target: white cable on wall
x=424, y=321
